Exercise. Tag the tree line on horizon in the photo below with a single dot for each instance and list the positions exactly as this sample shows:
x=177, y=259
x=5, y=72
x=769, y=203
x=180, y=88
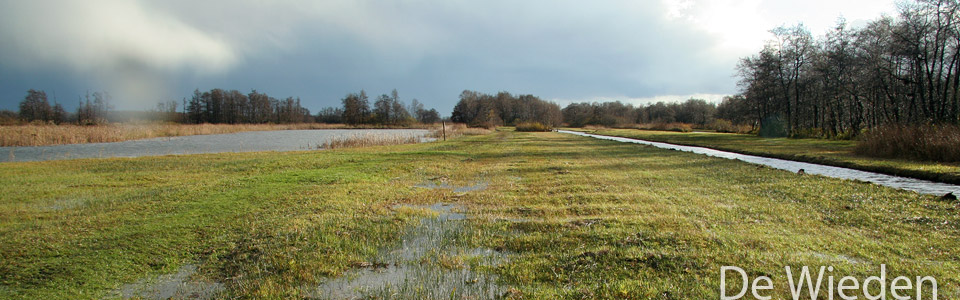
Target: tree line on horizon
x=474, y=109
x=219, y=106
x=693, y=111
x=902, y=70
x=485, y=110
x=386, y=110
x=232, y=107
x=35, y=107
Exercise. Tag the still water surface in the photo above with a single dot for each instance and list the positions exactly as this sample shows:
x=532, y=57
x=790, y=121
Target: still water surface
x=917, y=185
x=280, y=140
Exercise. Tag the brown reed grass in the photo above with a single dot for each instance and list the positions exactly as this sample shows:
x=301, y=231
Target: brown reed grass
x=926, y=142
x=45, y=135
x=368, y=140
x=455, y=130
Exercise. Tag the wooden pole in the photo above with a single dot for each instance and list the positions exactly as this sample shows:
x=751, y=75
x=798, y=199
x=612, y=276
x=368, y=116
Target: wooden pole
x=444, y=125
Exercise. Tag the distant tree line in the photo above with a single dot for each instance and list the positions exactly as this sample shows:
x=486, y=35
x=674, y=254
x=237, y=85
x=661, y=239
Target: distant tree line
x=36, y=107
x=484, y=110
x=386, y=110
x=895, y=70
x=234, y=107
x=226, y=106
x=616, y=114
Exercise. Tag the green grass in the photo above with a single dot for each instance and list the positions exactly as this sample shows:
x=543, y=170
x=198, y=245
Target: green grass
x=830, y=152
x=581, y=218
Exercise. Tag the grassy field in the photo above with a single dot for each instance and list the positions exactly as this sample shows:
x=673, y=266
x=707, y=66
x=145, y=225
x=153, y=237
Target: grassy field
x=830, y=152
x=576, y=217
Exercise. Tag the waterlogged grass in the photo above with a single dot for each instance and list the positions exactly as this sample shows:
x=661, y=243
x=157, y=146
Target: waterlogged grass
x=575, y=217
x=830, y=152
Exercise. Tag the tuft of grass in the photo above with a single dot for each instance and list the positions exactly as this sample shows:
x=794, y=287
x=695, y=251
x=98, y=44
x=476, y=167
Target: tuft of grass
x=938, y=143
x=533, y=127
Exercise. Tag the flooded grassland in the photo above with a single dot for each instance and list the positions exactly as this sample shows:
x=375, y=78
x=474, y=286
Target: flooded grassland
x=531, y=215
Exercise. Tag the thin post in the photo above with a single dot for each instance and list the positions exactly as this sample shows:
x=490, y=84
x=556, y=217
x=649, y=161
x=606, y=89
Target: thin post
x=444, y=125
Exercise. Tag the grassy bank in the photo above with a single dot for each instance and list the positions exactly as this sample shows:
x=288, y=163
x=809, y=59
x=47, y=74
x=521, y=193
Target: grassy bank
x=829, y=152
x=578, y=218
x=45, y=135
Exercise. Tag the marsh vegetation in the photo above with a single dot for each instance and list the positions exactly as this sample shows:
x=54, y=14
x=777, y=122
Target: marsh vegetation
x=577, y=218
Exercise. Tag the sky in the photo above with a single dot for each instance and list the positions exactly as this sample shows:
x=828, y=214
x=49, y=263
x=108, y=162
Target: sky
x=637, y=51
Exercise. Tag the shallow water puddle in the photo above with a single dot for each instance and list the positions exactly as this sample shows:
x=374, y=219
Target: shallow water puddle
x=178, y=285
x=433, y=261
x=456, y=189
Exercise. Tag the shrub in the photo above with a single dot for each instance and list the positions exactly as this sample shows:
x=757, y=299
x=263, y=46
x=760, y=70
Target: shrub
x=773, y=127
x=533, y=126
x=721, y=125
x=927, y=142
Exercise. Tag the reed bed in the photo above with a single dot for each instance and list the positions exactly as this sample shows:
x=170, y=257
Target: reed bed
x=939, y=143
x=456, y=130
x=45, y=135
x=368, y=140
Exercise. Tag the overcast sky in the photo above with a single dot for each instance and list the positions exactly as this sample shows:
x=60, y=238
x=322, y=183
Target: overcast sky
x=143, y=52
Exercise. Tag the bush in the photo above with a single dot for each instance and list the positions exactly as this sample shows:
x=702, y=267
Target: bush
x=533, y=126
x=773, y=127
x=8, y=117
x=721, y=125
x=927, y=142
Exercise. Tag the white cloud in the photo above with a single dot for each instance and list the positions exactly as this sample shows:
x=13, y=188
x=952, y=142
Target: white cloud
x=743, y=25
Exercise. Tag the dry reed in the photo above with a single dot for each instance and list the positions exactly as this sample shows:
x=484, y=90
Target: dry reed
x=44, y=135
x=927, y=142
x=725, y=126
x=368, y=139
x=455, y=130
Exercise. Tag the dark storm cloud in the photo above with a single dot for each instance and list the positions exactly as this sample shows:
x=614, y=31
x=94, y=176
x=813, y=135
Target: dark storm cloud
x=431, y=50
